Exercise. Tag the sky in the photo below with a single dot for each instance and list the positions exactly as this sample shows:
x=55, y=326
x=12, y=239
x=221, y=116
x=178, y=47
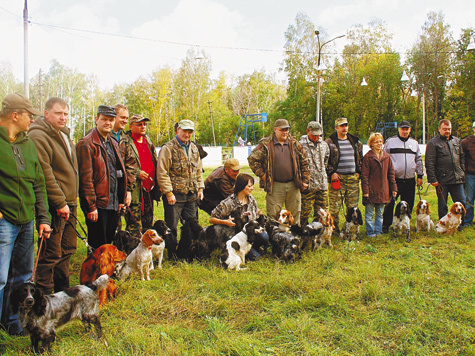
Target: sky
x=121, y=40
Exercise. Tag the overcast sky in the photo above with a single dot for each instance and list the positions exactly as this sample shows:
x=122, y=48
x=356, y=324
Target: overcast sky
x=155, y=33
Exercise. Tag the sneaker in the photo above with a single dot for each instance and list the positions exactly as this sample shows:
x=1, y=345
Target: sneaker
x=373, y=235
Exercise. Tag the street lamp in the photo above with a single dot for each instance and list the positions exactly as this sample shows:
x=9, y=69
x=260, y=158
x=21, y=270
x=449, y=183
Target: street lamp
x=319, y=70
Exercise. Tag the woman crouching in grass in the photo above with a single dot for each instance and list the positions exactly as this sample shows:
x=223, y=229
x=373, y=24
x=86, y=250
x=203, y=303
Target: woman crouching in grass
x=378, y=183
x=242, y=200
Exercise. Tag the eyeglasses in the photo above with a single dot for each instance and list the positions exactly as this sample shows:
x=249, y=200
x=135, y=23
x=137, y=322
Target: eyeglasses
x=343, y=125
x=284, y=130
x=30, y=116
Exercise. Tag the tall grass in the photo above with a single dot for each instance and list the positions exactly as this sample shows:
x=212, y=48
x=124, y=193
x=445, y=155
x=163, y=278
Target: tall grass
x=374, y=297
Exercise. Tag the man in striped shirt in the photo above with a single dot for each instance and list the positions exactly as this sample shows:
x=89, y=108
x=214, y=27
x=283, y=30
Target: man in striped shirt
x=344, y=169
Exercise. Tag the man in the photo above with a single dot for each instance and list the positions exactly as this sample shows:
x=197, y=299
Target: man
x=220, y=184
x=140, y=160
x=120, y=122
x=57, y=156
x=180, y=176
x=407, y=163
x=344, y=168
x=316, y=195
x=281, y=164
x=445, y=164
x=102, y=183
x=22, y=194
x=468, y=146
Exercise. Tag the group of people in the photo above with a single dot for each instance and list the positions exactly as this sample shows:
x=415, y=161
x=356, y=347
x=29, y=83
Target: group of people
x=117, y=173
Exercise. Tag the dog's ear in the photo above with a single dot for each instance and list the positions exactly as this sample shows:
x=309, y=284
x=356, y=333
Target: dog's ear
x=147, y=238
x=360, y=217
x=348, y=215
x=291, y=219
x=409, y=212
x=397, y=212
x=105, y=263
x=15, y=298
x=40, y=302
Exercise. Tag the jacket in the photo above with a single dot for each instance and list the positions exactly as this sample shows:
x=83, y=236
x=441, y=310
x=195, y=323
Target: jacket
x=177, y=172
x=334, y=158
x=468, y=146
x=218, y=186
x=377, y=178
x=131, y=159
x=22, y=186
x=406, y=157
x=445, y=160
x=261, y=161
x=94, y=173
x=60, y=166
x=317, y=153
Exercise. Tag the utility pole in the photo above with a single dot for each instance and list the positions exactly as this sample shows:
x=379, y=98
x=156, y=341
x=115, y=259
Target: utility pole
x=26, y=75
x=212, y=123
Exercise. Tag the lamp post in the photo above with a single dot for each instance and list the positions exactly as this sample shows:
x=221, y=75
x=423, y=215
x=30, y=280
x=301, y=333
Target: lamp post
x=319, y=70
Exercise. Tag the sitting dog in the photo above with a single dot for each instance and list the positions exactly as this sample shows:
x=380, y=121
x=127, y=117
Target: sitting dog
x=140, y=259
x=166, y=234
x=125, y=241
x=41, y=314
x=106, y=259
x=325, y=218
x=286, y=244
x=423, y=221
x=312, y=231
x=239, y=245
x=351, y=227
x=191, y=244
x=402, y=220
x=285, y=220
x=450, y=222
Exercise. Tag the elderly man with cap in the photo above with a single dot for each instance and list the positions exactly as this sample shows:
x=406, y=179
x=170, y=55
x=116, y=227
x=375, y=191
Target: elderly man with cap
x=407, y=162
x=344, y=170
x=140, y=160
x=318, y=152
x=468, y=146
x=220, y=184
x=102, y=182
x=281, y=164
x=22, y=196
x=180, y=177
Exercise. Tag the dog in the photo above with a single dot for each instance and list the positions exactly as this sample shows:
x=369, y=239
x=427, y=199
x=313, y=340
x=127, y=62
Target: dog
x=191, y=244
x=166, y=234
x=239, y=245
x=351, y=227
x=106, y=259
x=423, y=221
x=125, y=241
x=402, y=220
x=450, y=222
x=327, y=221
x=140, y=259
x=285, y=220
x=41, y=314
x=312, y=231
x=286, y=244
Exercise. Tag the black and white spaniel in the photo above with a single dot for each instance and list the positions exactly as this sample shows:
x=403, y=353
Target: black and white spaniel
x=351, y=227
x=41, y=314
x=402, y=220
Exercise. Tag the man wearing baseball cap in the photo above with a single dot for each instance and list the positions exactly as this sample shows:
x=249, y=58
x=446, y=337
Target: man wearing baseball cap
x=180, y=177
x=468, y=146
x=407, y=162
x=22, y=199
x=281, y=164
x=220, y=184
x=102, y=182
x=140, y=160
x=315, y=196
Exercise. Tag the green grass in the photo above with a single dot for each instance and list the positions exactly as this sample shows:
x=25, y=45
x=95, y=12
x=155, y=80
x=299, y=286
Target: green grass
x=374, y=297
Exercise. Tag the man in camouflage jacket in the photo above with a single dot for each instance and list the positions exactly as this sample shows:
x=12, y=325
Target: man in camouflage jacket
x=281, y=164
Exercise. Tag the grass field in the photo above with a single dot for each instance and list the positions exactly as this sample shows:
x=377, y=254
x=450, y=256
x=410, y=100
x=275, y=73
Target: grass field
x=373, y=297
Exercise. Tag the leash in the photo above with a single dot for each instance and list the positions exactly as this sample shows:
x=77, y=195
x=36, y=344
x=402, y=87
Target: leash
x=440, y=190
x=419, y=188
x=90, y=250
x=42, y=238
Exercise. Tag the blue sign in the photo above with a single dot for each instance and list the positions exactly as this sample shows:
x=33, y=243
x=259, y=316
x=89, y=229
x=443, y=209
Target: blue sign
x=264, y=117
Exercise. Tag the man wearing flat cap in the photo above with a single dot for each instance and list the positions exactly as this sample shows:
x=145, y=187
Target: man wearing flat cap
x=344, y=169
x=102, y=182
x=140, y=160
x=220, y=184
x=407, y=162
x=180, y=177
x=315, y=196
x=22, y=199
x=281, y=164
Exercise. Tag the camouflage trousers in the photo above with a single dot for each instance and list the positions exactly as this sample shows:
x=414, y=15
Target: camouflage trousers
x=349, y=192
x=312, y=200
x=137, y=220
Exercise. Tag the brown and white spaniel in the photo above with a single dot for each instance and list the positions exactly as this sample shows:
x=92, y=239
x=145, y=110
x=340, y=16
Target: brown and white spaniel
x=423, y=220
x=325, y=218
x=450, y=222
x=285, y=220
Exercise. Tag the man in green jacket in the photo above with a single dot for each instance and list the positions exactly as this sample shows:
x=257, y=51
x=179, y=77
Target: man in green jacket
x=22, y=193
x=57, y=156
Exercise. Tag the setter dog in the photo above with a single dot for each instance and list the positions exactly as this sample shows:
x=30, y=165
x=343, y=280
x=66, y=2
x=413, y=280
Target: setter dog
x=102, y=261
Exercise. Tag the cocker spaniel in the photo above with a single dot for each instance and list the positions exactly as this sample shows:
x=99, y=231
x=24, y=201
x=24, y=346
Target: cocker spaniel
x=351, y=227
x=402, y=220
x=325, y=218
x=423, y=220
x=450, y=222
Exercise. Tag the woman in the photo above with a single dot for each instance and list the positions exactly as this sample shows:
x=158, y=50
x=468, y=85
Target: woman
x=241, y=199
x=378, y=184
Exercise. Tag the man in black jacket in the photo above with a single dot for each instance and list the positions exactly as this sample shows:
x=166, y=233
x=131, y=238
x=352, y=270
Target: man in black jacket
x=445, y=166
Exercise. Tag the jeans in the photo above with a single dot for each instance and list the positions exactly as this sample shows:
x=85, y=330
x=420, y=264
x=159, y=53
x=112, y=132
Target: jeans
x=456, y=193
x=370, y=210
x=16, y=266
x=470, y=195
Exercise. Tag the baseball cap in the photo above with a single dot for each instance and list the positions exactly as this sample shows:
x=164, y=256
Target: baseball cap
x=137, y=118
x=404, y=124
x=341, y=121
x=106, y=111
x=186, y=125
x=281, y=124
x=315, y=128
x=19, y=101
x=232, y=163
